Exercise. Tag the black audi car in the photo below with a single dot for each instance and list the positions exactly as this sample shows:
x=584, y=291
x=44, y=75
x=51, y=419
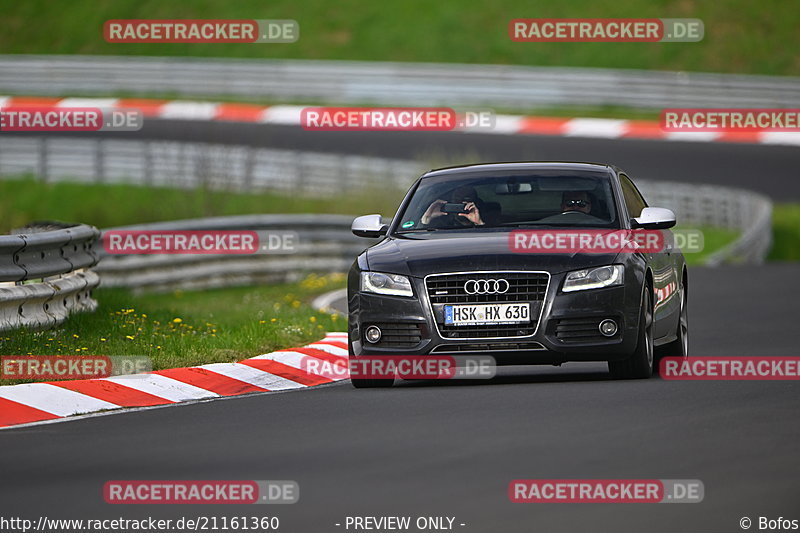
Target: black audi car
x=452, y=276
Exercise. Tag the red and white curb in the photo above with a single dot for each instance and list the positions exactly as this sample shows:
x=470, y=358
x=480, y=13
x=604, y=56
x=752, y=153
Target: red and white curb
x=276, y=371
x=504, y=125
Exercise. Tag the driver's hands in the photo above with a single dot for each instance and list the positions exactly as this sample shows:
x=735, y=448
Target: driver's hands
x=433, y=211
x=472, y=214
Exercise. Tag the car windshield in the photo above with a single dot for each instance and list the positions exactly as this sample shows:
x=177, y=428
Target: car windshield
x=535, y=199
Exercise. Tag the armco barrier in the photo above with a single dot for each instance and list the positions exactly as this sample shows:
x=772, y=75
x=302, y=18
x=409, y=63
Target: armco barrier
x=39, y=254
x=739, y=210
x=45, y=304
x=385, y=83
x=324, y=244
x=191, y=165
x=52, y=264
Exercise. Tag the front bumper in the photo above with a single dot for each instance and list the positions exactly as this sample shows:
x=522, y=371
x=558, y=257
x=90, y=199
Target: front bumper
x=566, y=331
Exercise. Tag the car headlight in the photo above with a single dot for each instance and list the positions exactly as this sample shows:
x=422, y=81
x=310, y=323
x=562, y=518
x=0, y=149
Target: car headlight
x=594, y=278
x=392, y=284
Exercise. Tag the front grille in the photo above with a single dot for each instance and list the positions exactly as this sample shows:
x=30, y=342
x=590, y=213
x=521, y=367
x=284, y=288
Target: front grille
x=494, y=347
x=579, y=330
x=398, y=335
x=523, y=287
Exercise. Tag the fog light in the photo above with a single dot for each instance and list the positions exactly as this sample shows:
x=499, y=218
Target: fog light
x=608, y=327
x=373, y=334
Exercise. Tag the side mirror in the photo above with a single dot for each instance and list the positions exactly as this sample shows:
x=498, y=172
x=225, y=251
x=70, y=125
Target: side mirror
x=654, y=218
x=369, y=226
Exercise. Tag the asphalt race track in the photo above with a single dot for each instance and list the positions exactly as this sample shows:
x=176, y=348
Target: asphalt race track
x=425, y=449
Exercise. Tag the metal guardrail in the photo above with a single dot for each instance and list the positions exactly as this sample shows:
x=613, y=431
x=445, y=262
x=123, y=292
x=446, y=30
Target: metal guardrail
x=189, y=165
x=740, y=210
x=46, y=304
x=43, y=276
x=37, y=254
x=323, y=244
x=391, y=83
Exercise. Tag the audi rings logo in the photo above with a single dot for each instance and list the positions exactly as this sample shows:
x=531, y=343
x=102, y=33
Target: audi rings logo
x=486, y=286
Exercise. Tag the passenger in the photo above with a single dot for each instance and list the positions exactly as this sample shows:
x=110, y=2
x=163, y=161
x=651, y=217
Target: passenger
x=434, y=217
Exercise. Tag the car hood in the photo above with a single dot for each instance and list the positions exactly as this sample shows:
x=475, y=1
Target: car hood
x=432, y=253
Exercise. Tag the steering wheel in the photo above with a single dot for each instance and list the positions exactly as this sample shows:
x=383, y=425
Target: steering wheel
x=572, y=212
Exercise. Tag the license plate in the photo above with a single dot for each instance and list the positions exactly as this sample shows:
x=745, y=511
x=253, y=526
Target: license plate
x=479, y=314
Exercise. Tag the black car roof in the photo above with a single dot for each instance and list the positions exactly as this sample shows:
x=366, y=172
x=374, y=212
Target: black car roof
x=521, y=165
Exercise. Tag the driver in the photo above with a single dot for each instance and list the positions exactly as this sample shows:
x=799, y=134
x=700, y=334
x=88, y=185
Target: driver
x=435, y=217
x=576, y=201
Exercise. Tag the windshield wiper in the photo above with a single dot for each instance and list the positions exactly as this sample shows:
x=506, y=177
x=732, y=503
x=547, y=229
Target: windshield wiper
x=416, y=230
x=444, y=229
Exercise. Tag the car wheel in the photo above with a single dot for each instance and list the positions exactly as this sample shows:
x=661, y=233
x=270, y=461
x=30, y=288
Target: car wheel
x=640, y=364
x=680, y=346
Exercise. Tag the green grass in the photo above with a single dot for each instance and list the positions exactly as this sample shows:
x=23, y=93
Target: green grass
x=785, y=233
x=188, y=328
x=741, y=36
x=108, y=205
x=713, y=240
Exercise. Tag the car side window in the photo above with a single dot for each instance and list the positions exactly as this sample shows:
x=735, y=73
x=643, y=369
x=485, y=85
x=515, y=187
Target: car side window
x=633, y=198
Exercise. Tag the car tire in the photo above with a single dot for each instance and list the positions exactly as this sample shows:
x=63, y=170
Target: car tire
x=640, y=363
x=680, y=346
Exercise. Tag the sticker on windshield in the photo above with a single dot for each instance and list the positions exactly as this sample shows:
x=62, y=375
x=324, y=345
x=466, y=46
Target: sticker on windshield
x=408, y=224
